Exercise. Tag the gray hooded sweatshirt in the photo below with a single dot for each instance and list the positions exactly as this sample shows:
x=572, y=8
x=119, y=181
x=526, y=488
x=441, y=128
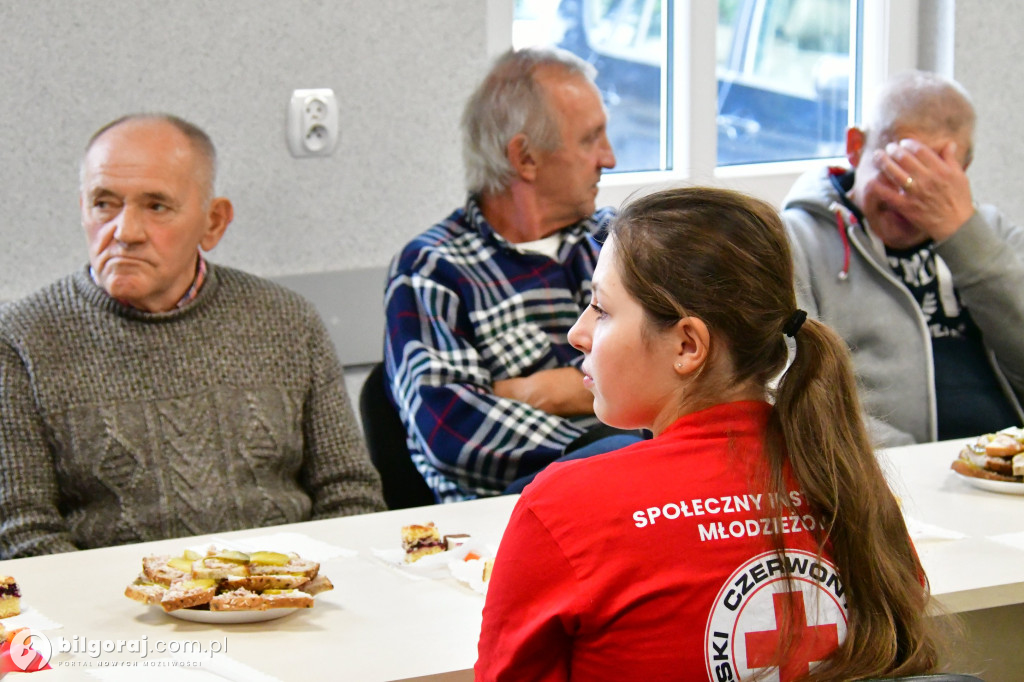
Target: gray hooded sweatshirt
x=844, y=280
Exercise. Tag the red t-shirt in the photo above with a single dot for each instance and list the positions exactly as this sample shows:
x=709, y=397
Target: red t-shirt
x=653, y=563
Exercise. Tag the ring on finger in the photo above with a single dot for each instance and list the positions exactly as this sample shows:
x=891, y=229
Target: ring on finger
x=907, y=183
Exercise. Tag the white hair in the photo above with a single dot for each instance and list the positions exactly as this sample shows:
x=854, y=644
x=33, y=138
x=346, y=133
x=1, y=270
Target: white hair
x=202, y=145
x=508, y=102
x=921, y=101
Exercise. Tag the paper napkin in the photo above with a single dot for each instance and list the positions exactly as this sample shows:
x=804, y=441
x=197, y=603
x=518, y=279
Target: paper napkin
x=430, y=566
x=434, y=565
x=30, y=618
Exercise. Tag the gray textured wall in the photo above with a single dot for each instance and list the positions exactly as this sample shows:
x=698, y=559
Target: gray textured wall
x=989, y=62
x=230, y=65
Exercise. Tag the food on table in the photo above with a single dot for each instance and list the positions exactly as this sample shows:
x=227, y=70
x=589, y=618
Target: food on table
x=228, y=580
x=292, y=599
x=239, y=599
x=994, y=456
x=165, y=570
x=145, y=590
x=474, y=570
x=218, y=568
x=269, y=559
x=419, y=541
x=453, y=540
x=10, y=597
x=317, y=585
x=295, y=566
x=189, y=592
x=243, y=599
x=259, y=583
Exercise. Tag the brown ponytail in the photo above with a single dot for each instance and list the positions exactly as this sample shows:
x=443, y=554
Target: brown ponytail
x=724, y=258
x=817, y=420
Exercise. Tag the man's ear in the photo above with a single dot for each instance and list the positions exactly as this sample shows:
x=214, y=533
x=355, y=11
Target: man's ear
x=520, y=156
x=969, y=157
x=855, y=138
x=220, y=215
x=694, y=345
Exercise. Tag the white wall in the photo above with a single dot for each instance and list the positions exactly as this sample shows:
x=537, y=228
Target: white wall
x=401, y=70
x=989, y=62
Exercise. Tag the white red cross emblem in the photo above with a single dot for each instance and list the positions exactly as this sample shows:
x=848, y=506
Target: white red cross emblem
x=744, y=630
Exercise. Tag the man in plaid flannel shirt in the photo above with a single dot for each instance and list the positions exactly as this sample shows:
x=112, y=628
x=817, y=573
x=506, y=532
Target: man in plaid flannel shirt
x=478, y=307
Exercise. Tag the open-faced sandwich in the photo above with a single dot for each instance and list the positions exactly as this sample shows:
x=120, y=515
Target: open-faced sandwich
x=994, y=456
x=228, y=580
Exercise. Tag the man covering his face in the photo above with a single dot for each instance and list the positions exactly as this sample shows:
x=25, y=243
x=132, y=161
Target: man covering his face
x=926, y=286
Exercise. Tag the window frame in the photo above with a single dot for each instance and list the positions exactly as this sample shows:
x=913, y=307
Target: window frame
x=890, y=35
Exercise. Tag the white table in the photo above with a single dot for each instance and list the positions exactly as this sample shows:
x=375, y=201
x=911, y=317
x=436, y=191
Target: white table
x=977, y=577
x=975, y=572
x=378, y=624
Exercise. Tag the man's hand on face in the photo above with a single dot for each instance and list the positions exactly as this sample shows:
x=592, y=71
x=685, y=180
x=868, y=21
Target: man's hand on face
x=930, y=190
x=555, y=391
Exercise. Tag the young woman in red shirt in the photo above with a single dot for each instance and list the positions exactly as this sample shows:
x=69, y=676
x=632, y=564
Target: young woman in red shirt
x=754, y=536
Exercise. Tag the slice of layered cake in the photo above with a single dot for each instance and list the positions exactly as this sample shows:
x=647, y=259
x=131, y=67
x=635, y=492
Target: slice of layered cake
x=10, y=597
x=418, y=541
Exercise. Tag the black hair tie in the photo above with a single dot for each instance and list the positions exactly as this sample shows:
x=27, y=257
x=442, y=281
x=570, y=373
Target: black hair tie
x=794, y=323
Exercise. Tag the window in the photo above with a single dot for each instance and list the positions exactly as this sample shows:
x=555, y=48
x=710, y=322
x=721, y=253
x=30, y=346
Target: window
x=624, y=40
x=785, y=75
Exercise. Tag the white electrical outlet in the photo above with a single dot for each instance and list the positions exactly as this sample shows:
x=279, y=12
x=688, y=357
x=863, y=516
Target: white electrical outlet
x=312, y=122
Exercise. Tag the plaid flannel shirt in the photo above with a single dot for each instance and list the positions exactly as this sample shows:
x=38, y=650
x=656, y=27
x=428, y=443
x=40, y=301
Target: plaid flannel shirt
x=464, y=309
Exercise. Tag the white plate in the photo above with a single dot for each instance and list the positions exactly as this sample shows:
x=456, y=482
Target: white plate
x=228, y=617
x=1005, y=487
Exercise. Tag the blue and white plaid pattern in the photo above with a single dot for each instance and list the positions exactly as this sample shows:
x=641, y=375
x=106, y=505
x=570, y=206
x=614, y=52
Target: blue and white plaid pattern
x=465, y=309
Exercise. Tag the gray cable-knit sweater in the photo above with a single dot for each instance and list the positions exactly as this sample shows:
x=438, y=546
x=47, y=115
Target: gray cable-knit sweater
x=120, y=426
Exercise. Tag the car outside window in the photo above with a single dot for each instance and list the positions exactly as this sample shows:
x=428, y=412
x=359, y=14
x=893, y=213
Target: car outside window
x=783, y=68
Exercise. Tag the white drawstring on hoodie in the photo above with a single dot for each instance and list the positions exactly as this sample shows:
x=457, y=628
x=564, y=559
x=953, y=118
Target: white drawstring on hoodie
x=845, y=219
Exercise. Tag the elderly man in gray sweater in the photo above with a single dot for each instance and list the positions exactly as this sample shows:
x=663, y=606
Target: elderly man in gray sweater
x=153, y=394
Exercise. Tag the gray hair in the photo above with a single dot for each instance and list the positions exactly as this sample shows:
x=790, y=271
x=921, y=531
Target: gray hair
x=921, y=101
x=201, y=143
x=509, y=101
